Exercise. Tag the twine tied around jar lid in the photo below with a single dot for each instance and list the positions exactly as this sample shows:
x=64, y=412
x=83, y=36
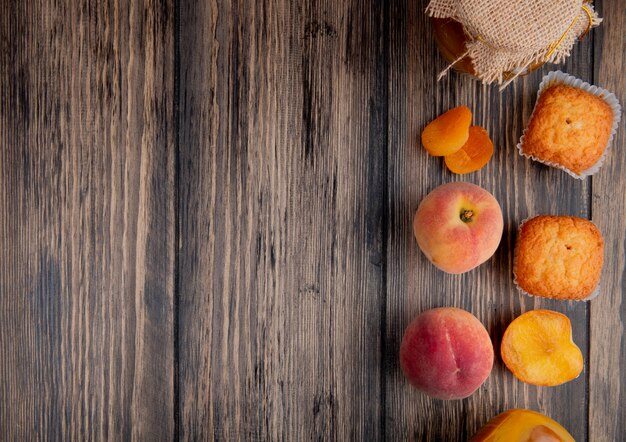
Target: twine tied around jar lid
x=506, y=36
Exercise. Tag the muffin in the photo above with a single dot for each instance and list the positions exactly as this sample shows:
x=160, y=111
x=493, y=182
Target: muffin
x=571, y=126
x=558, y=257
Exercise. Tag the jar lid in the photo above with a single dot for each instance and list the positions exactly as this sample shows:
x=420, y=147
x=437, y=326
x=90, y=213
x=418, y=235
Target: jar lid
x=508, y=36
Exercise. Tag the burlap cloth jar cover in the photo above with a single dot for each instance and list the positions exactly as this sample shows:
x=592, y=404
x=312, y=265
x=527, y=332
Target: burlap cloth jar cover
x=507, y=36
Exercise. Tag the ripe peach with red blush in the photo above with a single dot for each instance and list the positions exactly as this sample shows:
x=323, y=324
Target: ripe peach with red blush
x=458, y=226
x=446, y=353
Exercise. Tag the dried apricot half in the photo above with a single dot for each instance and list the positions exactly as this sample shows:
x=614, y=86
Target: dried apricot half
x=538, y=348
x=448, y=132
x=474, y=154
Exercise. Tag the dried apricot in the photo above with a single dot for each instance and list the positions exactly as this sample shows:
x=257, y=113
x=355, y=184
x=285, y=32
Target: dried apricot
x=538, y=348
x=448, y=132
x=474, y=154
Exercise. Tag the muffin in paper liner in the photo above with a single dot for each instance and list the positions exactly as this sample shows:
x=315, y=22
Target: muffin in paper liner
x=558, y=77
x=593, y=294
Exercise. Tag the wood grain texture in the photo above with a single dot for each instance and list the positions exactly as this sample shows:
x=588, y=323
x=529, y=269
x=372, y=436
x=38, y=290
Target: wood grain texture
x=283, y=171
x=87, y=224
x=205, y=223
x=607, y=382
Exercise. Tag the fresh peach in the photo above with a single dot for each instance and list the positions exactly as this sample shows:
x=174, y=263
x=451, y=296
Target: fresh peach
x=522, y=426
x=448, y=132
x=538, y=349
x=458, y=226
x=446, y=353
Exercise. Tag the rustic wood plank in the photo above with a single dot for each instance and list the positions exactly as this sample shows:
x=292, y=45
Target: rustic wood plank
x=523, y=189
x=282, y=203
x=298, y=174
x=607, y=384
x=87, y=226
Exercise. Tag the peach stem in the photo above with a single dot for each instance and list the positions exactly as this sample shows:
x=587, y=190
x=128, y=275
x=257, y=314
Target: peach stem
x=466, y=215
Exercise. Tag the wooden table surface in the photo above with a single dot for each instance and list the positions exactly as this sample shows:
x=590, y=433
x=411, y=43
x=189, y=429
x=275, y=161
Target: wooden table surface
x=205, y=223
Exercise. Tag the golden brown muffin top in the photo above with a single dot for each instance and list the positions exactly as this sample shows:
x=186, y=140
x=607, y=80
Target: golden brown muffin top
x=570, y=127
x=559, y=257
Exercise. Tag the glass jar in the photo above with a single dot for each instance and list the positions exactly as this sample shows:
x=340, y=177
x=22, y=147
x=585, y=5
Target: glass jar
x=451, y=39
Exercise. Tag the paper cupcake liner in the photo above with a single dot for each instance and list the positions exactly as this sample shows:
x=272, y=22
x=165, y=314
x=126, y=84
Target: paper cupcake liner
x=593, y=294
x=558, y=77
